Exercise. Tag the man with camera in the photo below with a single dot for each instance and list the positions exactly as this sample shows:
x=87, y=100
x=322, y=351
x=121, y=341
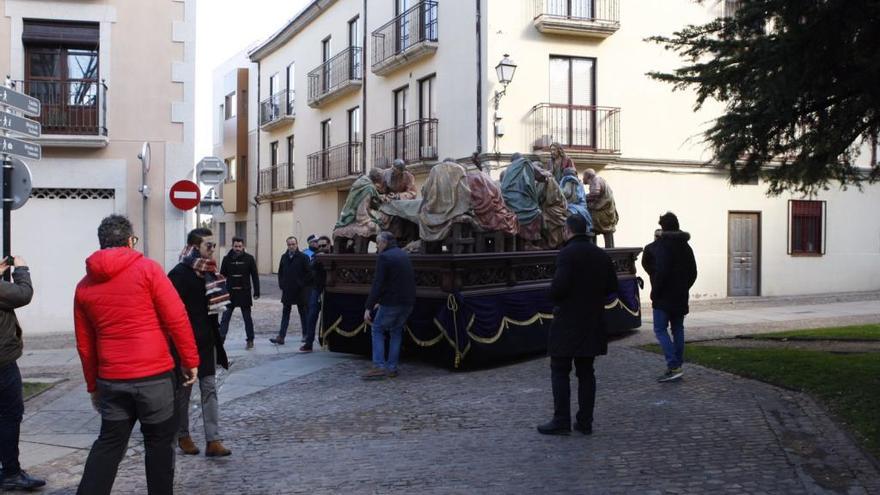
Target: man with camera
x=13, y=295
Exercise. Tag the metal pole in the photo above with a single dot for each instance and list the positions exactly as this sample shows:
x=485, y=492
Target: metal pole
x=145, y=212
x=7, y=202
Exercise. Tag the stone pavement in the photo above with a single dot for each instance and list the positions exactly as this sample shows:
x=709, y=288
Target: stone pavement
x=307, y=424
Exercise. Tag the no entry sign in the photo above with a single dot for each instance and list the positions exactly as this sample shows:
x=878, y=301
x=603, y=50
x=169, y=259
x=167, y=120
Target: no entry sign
x=185, y=195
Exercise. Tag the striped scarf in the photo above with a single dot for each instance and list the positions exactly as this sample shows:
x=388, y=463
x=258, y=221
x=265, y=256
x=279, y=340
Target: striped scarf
x=215, y=284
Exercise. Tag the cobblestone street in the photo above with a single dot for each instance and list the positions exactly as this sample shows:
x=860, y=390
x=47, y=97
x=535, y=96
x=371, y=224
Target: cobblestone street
x=436, y=431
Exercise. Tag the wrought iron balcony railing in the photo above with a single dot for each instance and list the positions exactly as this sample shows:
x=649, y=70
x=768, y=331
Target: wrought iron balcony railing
x=276, y=178
x=334, y=163
x=276, y=108
x=69, y=107
x=412, y=29
x=596, y=18
x=413, y=142
x=585, y=128
x=342, y=72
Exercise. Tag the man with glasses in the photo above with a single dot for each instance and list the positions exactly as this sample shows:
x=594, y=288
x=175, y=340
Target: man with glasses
x=198, y=283
x=322, y=246
x=125, y=312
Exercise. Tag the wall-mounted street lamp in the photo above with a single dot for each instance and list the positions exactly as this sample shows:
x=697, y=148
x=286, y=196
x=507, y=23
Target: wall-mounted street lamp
x=505, y=71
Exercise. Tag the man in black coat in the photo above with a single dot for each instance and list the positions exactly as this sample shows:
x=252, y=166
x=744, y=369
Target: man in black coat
x=188, y=278
x=295, y=281
x=670, y=263
x=323, y=245
x=584, y=279
x=240, y=270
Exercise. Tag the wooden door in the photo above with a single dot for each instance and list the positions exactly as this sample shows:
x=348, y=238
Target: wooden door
x=743, y=254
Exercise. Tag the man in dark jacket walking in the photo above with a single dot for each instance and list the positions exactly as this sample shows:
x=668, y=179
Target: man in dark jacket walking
x=12, y=295
x=584, y=279
x=191, y=277
x=670, y=263
x=393, y=296
x=125, y=313
x=295, y=281
x=240, y=270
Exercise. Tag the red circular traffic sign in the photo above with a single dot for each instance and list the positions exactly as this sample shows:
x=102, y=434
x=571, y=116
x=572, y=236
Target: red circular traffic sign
x=185, y=195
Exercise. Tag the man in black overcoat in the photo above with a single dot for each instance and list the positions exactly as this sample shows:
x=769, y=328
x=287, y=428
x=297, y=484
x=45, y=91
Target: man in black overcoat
x=295, y=280
x=240, y=270
x=188, y=278
x=584, y=279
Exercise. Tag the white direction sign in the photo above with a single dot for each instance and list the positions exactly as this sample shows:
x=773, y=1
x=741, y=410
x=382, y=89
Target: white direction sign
x=27, y=104
x=12, y=146
x=21, y=125
x=211, y=171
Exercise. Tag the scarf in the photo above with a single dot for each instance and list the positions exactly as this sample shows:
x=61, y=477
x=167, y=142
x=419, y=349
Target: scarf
x=215, y=284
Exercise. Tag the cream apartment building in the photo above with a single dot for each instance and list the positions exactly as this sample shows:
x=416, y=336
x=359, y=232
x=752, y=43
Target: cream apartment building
x=111, y=75
x=235, y=128
x=345, y=89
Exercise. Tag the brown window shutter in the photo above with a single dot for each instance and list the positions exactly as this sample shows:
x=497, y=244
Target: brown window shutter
x=40, y=32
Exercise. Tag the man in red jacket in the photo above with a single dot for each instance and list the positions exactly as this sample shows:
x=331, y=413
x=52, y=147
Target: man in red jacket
x=125, y=312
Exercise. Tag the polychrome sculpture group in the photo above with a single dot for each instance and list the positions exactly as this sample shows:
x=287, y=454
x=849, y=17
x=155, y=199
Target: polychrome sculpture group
x=529, y=204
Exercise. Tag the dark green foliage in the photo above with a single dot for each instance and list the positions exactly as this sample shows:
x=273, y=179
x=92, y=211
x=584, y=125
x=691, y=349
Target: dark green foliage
x=800, y=80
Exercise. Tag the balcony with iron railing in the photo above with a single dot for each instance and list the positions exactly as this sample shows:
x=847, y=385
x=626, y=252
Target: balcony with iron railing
x=277, y=110
x=408, y=37
x=332, y=164
x=74, y=113
x=277, y=178
x=413, y=142
x=588, y=18
x=337, y=77
x=587, y=129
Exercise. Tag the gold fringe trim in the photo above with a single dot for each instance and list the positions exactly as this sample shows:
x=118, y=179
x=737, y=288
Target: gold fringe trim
x=505, y=324
x=618, y=302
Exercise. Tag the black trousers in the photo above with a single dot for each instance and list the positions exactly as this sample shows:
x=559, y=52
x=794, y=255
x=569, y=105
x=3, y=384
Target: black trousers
x=122, y=404
x=560, y=369
x=11, y=412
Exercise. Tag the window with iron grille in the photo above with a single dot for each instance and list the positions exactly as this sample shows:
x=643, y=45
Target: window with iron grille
x=806, y=227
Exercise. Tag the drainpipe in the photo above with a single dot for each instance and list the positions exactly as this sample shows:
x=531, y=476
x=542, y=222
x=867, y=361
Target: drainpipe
x=364, y=103
x=256, y=203
x=479, y=79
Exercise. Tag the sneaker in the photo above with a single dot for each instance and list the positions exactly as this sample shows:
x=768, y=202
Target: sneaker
x=374, y=374
x=305, y=348
x=21, y=481
x=250, y=345
x=277, y=340
x=671, y=375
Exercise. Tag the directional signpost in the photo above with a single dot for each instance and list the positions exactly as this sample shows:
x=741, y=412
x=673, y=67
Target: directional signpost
x=16, y=176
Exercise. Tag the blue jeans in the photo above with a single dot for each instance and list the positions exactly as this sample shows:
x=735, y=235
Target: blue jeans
x=245, y=314
x=673, y=348
x=312, y=317
x=389, y=320
x=11, y=412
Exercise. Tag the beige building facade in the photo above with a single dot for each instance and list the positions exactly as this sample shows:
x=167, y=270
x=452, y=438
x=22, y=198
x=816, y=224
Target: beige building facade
x=417, y=80
x=235, y=130
x=111, y=75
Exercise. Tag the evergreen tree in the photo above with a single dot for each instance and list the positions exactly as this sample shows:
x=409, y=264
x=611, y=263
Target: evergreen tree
x=800, y=80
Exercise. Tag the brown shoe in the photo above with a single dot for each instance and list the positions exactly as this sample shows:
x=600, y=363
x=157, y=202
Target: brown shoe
x=250, y=345
x=277, y=340
x=216, y=449
x=374, y=374
x=187, y=446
